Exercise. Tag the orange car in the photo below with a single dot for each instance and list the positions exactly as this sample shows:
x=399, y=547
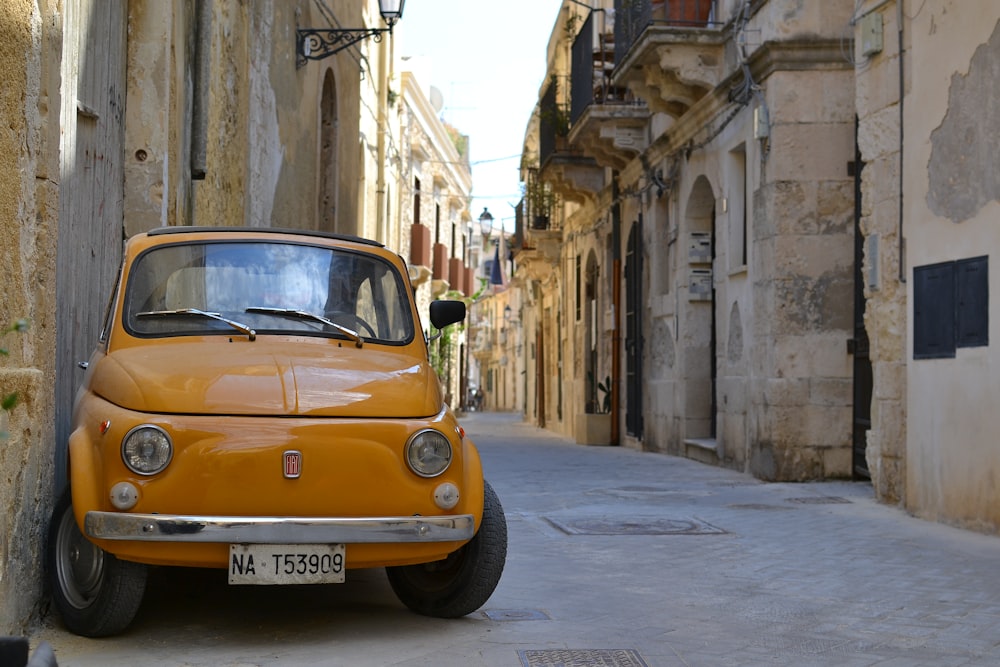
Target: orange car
x=261, y=401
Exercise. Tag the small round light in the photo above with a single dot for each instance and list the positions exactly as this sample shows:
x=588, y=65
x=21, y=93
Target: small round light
x=147, y=449
x=124, y=495
x=446, y=496
x=428, y=453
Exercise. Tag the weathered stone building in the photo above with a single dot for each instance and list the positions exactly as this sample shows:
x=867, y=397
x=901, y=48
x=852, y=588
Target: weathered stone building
x=690, y=231
x=124, y=115
x=758, y=233
x=435, y=233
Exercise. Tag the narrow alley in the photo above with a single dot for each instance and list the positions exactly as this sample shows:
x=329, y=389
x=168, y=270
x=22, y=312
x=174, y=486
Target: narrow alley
x=616, y=558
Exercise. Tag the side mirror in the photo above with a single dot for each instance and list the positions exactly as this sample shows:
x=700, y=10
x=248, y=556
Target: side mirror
x=444, y=313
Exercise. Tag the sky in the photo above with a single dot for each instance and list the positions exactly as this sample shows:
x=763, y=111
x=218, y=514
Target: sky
x=488, y=60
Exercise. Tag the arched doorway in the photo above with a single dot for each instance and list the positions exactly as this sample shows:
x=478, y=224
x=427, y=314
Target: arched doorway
x=700, y=346
x=633, y=331
x=591, y=336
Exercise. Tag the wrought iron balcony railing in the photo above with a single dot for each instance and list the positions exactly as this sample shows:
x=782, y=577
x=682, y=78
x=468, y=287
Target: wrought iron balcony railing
x=633, y=17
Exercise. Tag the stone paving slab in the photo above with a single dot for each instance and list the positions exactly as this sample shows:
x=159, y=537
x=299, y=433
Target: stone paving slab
x=791, y=574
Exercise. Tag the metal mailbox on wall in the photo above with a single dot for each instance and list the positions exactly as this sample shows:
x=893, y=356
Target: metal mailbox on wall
x=700, y=285
x=700, y=248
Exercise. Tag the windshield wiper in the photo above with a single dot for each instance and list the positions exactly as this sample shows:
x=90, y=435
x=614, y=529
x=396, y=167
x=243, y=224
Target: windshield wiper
x=242, y=328
x=294, y=313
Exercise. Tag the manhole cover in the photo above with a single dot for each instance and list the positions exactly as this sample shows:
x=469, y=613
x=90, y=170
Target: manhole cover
x=759, y=506
x=636, y=527
x=505, y=615
x=819, y=500
x=582, y=658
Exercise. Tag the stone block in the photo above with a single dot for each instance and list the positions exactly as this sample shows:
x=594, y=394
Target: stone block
x=877, y=85
x=831, y=392
x=889, y=418
x=838, y=462
x=813, y=256
x=808, y=96
x=816, y=355
x=811, y=151
x=889, y=381
x=784, y=392
x=878, y=135
x=733, y=439
x=810, y=426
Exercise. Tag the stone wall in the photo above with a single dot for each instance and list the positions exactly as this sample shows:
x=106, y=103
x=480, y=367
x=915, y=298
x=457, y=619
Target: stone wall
x=29, y=205
x=877, y=99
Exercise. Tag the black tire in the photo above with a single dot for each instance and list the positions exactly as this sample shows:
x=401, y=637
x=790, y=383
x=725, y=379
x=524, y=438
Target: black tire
x=463, y=582
x=96, y=594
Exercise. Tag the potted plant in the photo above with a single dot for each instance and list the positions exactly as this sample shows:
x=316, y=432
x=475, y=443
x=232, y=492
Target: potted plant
x=593, y=426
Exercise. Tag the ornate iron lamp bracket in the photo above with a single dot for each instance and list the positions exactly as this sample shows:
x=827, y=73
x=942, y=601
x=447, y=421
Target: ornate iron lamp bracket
x=319, y=43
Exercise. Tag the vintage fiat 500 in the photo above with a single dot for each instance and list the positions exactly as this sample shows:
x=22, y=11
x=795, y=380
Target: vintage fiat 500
x=262, y=402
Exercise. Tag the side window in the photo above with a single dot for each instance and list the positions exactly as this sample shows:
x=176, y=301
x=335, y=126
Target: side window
x=109, y=311
x=365, y=305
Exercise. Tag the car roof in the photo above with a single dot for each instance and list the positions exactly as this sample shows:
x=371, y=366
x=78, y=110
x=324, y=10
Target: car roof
x=183, y=229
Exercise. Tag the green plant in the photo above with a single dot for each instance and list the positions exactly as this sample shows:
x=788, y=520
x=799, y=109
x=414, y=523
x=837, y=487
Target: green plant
x=570, y=26
x=540, y=198
x=602, y=406
x=552, y=112
x=8, y=401
x=606, y=388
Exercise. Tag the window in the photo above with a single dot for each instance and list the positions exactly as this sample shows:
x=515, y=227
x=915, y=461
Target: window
x=950, y=307
x=737, y=210
x=579, y=302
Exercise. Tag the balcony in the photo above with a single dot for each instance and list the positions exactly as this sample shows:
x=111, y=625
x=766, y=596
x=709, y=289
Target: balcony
x=607, y=122
x=669, y=53
x=538, y=254
x=569, y=173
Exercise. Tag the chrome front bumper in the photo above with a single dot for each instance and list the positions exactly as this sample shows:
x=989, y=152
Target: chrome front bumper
x=277, y=530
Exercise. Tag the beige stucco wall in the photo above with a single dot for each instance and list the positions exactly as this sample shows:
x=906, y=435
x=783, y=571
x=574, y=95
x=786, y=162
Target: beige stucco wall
x=950, y=210
x=29, y=106
x=932, y=442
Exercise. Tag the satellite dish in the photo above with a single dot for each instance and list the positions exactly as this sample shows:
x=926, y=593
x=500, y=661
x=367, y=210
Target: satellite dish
x=436, y=99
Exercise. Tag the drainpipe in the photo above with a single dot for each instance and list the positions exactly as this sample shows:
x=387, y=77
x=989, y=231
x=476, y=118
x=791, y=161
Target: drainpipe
x=616, y=332
x=200, y=90
x=381, y=229
x=902, y=91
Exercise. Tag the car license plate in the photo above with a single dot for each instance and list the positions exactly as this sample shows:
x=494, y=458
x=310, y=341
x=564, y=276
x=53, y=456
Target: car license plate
x=286, y=563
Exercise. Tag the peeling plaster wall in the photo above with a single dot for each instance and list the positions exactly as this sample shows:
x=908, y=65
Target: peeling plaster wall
x=30, y=49
x=951, y=208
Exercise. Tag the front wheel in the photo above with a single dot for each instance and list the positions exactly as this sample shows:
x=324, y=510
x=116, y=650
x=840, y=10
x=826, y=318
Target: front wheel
x=97, y=595
x=464, y=581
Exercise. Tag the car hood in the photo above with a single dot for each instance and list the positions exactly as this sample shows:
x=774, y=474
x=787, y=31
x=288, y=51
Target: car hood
x=316, y=378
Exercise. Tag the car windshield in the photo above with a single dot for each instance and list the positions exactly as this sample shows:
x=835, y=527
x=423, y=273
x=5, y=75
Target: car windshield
x=266, y=287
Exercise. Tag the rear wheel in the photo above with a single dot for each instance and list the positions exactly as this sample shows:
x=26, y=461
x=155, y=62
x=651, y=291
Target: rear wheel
x=97, y=595
x=463, y=582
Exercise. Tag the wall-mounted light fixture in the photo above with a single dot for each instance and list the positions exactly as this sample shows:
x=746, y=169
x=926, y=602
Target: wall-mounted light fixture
x=486, y=223
x=319, y=43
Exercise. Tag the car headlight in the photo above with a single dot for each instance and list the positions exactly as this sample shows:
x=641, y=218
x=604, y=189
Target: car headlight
x=146, y=449
x=428, y=453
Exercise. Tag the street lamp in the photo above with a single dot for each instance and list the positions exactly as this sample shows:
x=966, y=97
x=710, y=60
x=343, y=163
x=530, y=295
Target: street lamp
x=486, y=222
x=319, y=43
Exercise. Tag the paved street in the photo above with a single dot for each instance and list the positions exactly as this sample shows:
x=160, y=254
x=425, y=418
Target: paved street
x=619, y=559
